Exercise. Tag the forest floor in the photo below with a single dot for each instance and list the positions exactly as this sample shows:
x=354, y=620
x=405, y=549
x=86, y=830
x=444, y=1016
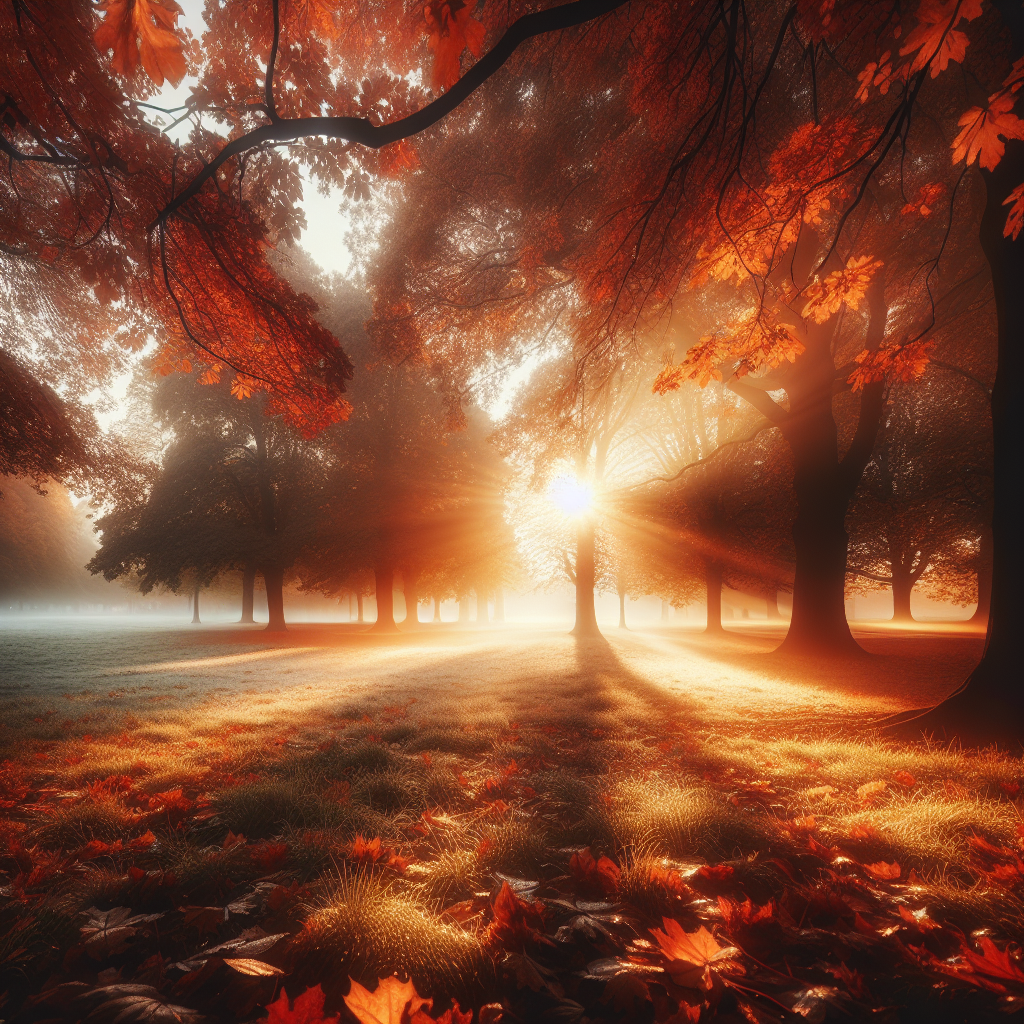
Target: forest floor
x=651, y=826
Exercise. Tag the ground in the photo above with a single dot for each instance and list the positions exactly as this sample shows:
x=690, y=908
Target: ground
x=507, y=816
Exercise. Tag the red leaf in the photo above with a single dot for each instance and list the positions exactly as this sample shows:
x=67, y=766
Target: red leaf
x=307, y=1009
x=601, y=874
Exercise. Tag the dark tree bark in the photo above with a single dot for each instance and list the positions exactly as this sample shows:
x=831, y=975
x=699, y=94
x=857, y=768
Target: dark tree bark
x=195, y=607
x=989, y=706
x=248, y=588
x=384, y=581
x=713, y=590
x=499, y=606
x=902, y=584
x=981, y=613
x=273, y=578
x=586, y=613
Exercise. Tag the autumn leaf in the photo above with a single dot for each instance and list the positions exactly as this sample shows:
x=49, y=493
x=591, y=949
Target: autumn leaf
x=904, y=778
x=848, y=286
x=870, y=790
x=1015, y=218
x=451, y=29
x=516, y=921
x=108, y=931
x=993, y=962
x=935, y=39
x=142, y=31
x=307, y=1009
x=391, y=1002
x=882, y=871
x=255, y=968
x=691, y=955
x=984, y=131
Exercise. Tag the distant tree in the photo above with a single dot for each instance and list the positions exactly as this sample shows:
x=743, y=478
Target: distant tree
x=236, y=490
x=918, y=517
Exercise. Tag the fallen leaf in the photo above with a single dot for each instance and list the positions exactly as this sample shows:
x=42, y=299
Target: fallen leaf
x=256, y=968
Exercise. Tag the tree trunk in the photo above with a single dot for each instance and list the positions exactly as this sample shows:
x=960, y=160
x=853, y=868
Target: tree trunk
x=384, y=582
x=622, y=606
x=437, y=608
x=482, y=617
x=586, y=613
x=664, y=610
x=195, y=607
x=412, y=599
x=248, y=588
x=902, y=585
x=989, y=706
x=499, y=606
x=273, y=579
x=713, y=589
x=464, y=609
x=981, y=613
x=359, y=607
x=772, y=601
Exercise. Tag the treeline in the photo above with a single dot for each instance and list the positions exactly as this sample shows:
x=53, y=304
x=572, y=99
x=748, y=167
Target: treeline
x=397, y=493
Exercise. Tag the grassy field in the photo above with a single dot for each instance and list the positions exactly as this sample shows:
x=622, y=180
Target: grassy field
x=645, y=827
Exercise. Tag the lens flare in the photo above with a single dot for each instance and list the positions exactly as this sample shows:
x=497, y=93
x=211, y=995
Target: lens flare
x=571, y=495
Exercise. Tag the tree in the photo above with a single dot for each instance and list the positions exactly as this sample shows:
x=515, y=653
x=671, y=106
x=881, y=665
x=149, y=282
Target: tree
x=917, y=518
x=236, y=489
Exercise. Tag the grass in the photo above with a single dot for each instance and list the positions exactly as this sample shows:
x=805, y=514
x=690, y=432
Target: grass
x=527, y=762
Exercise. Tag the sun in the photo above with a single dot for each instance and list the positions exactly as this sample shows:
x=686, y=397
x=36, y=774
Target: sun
x=572, y=496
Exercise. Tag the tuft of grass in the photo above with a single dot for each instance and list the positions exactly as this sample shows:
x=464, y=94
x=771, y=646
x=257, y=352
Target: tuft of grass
x=927, y=832
x=450, y=741
x=369, y=929
x=453, y=876
x=390, y=790
x=73, y=825
x=517, y=846
x=687, y=821
x=260, y=810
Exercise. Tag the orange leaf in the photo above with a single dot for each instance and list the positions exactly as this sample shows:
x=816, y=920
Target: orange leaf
x=307, y=1009
x=691, y=954
x=982, y=131
x=387, y=1003
x=257, y=968
x=601, y=874
x=882, y=871
x=451, y=29
x=142, y=31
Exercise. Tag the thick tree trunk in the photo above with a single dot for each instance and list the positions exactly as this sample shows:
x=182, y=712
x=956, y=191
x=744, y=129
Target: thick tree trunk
x=981, y=613
x=248, y=589
x=384, y=581
x=499, y=606
x=902, y=585
x=713, y=590
x=359, y=608
x=989, y=706
x=437, y=608
x=622, y=607
x=195, y=607
x=586, y=613
x=273, y=578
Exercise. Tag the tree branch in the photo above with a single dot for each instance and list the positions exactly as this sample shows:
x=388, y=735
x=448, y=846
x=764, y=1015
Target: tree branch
x=361, y=131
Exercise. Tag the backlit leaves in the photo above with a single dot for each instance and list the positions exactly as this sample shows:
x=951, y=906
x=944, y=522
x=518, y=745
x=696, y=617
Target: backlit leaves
x=451, y=29
x=142, y=32
x=846, y=286
x=936, y=41
x=983, y=132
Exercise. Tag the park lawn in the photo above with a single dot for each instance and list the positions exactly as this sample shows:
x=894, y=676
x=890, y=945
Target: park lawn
x=640, y=828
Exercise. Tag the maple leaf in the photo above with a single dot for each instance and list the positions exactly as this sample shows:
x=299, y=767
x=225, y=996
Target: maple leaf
x=308, y=1008
x=993, y=962
x=451, y=29
x=936, y=39
x=1015, y=218
x=601, y=873
x=691, y=954
x=269, y=856
x=515, y=921
x=108, y=931
x=983, y=131
x=391, y=1002
x=142, y=31
x=847, y=286
x=883, y=872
